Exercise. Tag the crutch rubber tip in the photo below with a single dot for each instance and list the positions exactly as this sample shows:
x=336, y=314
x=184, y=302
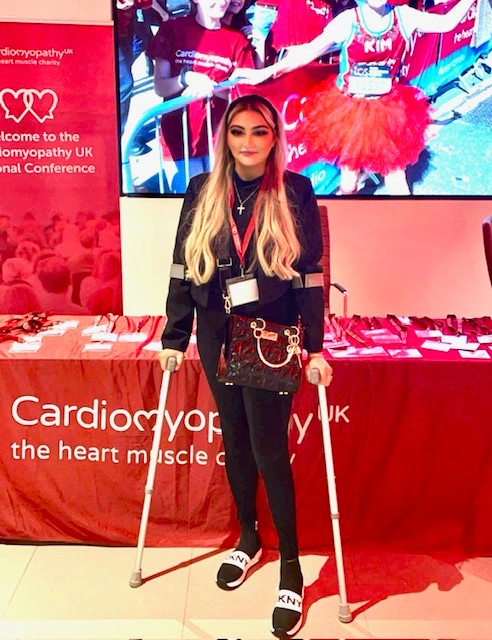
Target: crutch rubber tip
x=135, y=579
x=344, y=613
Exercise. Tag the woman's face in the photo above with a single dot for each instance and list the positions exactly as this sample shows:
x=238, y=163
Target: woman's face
x=235, y=6
x=212, y=8
x=250, y=140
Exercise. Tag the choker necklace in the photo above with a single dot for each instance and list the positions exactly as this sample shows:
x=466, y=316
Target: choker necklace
x=240, y=208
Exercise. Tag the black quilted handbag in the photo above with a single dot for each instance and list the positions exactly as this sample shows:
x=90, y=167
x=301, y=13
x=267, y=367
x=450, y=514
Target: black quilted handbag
x=262, y=355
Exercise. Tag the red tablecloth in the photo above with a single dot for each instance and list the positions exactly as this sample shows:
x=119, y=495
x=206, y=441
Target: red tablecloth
x=412, y=441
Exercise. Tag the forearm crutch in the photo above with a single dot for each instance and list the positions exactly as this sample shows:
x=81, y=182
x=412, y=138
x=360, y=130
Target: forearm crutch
x=344, y=613
x=136, y=576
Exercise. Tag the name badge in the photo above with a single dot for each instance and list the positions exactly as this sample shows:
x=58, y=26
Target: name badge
x=242, y=290
x=369, y=79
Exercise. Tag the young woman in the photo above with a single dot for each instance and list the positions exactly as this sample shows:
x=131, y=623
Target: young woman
x=250, y=195
x=366, y=119
x=192, y=55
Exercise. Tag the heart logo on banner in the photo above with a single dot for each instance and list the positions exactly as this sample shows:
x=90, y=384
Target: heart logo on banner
x=144, y=414
x=17, y=104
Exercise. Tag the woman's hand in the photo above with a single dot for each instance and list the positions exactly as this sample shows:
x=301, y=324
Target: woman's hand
x=317, y=361
x=199, y=85
x=164, y=355
x=250, y=76
x=247, y=31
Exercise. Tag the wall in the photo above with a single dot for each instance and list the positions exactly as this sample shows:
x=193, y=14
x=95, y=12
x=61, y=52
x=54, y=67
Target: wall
x=417, y=257
x=412, y=257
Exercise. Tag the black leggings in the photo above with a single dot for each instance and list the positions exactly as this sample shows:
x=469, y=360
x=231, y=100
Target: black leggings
x=254, y=429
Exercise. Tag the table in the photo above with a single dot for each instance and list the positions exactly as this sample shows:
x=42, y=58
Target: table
x=412, y=441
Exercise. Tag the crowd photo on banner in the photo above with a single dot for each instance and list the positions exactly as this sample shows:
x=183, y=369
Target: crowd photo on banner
x=362, y=70
x=61, y=265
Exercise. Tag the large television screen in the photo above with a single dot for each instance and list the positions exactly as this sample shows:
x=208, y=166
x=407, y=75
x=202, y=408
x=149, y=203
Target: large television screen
x=166, y=140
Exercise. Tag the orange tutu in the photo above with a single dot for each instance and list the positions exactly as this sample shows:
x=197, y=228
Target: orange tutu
x=378, y=135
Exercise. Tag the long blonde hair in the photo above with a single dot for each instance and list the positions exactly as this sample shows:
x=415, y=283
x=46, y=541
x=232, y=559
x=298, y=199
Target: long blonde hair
x=277, y=244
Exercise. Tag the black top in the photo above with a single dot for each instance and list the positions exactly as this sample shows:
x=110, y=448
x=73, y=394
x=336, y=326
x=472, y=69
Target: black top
x=306, y=303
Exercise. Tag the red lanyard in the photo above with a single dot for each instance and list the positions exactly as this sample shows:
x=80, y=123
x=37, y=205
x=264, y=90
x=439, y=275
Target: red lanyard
x=241, y=246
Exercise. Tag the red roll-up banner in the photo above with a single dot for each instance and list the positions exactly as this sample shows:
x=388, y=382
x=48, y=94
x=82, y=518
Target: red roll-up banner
x=59, y=221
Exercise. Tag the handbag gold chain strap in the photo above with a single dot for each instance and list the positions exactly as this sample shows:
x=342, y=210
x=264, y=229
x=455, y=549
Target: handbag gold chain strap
x=292, y=347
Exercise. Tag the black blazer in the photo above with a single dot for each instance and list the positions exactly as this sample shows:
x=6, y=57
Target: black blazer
x=184, y=295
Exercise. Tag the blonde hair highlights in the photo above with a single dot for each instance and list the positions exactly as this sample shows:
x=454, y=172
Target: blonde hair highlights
x=277, y=244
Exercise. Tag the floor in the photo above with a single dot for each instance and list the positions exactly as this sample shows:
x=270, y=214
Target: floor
x=71, y=592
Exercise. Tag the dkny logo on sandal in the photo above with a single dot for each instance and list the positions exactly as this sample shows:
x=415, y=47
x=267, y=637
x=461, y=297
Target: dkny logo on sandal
x=17, y=104
x=284, y=598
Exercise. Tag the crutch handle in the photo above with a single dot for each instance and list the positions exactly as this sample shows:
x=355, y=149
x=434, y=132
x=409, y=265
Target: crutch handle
x=314, y=376
x=171, y=363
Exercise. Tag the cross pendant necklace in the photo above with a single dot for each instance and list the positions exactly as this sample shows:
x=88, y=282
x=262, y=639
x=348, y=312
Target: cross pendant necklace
x=240, y=207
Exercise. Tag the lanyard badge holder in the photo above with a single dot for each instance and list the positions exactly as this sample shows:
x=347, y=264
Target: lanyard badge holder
x=244, y=288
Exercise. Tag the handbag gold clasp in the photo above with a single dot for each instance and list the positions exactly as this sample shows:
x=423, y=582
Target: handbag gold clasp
x=293, y=342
